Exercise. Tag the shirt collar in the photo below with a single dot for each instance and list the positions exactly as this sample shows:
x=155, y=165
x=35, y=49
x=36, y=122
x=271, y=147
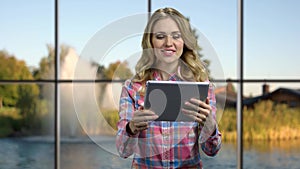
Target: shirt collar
x=173, y=77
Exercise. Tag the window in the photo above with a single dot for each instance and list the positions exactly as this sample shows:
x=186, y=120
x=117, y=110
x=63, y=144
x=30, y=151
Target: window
x=34, y=90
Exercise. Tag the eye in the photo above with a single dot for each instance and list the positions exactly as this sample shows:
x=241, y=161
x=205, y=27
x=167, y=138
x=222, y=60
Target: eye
x=176, y=36
x=160, y=36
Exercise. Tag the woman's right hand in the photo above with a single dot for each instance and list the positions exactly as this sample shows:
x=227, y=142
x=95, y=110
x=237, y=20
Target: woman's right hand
x=140, y=119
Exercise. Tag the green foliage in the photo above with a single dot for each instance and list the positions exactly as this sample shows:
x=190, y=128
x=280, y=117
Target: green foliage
x=21, y=97
x=10, y=121
x=111, y=117
x=46, y=67
x=118, y=70
x=12, y=69
x=100, y=70
x=27, y=103
x=10, y=112
x=206, y=61
x=5, y=128
x=228, y=120
x=267, y=121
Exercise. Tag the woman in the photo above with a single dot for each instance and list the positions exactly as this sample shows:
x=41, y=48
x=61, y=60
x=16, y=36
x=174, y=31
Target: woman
x=169, y=53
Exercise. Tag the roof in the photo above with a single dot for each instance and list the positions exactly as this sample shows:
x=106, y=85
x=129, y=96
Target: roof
x=251, y=101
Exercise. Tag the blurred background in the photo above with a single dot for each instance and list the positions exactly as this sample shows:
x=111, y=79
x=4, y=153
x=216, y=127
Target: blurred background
x=94, y=61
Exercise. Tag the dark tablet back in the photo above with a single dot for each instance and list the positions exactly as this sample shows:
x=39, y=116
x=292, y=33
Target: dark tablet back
x=166, y=98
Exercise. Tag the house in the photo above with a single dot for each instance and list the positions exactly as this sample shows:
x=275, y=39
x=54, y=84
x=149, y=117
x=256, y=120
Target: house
x=291, y=97
x=226, y=94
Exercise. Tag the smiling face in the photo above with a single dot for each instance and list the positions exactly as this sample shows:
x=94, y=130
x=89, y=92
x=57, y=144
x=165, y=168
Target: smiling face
x=167, y=43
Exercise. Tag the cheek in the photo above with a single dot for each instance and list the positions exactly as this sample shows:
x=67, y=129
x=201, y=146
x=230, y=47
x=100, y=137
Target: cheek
x=179, y=47
x=156, y=44
x=156, y=51
x=180, y=44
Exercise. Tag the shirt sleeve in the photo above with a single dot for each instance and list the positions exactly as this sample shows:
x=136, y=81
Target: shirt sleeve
x=210, y=137
x=125, y=142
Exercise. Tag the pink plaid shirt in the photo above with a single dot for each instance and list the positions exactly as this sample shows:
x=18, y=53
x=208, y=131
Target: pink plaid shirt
x=164, y=144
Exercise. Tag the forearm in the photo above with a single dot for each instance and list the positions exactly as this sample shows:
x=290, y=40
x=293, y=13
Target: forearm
x=212, y=144
x=125, y=142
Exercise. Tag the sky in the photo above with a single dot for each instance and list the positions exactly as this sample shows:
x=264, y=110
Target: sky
x=271, y=33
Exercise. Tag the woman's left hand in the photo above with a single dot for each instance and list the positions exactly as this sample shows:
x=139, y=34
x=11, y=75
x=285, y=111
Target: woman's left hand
x=197, y=110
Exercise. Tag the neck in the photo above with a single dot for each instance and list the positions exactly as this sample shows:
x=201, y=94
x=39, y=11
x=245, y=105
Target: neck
x=167, y=68
x=164, y=75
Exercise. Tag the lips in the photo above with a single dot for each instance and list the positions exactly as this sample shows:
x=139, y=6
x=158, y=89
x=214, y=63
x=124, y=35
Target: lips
x=168, y=52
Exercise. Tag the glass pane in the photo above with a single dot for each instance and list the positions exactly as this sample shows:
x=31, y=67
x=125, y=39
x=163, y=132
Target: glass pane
x=27, y=126
x=89, y=114
x=27, y=33
x=271, y=125
x=86, y=54
x=226, y=117
x=100, y=34
x=87, y=154
x=272, y=39
x=215, y=23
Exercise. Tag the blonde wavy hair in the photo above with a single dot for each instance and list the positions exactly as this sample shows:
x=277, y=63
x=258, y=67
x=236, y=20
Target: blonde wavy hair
x=192, y=68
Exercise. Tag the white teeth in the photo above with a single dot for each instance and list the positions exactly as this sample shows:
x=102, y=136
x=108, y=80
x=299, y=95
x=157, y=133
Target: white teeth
x=168, y=51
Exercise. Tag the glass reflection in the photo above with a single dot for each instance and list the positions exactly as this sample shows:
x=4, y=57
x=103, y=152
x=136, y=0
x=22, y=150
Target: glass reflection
x=27, y=126
x=26, y=29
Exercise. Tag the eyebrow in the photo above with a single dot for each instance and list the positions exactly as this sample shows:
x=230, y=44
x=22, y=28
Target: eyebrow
x=166, y=33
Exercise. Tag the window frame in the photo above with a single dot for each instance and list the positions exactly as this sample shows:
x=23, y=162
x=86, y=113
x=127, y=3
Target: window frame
x=240, y=81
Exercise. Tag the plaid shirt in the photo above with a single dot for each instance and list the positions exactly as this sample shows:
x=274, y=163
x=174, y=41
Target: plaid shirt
x=164, y=144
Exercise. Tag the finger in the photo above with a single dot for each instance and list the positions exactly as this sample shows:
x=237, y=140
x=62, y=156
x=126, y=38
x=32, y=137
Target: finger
x=141, y=124
x=200, y=121
x=144, y=118
x=143, y=128
x=198, y=109
x=200, y=103
x=197, y=119
x=149, y=118
x=203, y=111
x=192, y=106
x=193, y=113
x=144, y=113
x=147, y=111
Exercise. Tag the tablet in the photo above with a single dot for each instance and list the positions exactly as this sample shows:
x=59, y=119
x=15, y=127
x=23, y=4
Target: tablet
x=167, y=98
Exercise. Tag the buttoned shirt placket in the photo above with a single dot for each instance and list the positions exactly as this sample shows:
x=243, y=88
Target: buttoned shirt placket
x=166, y=144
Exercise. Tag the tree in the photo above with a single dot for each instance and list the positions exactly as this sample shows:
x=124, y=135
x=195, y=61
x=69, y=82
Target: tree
x=45, y=105
x=28, y=103
x=12, y=69
x=100, y=70
x=46, y=67
x=206, y=61
x=21, y=96
x=118, y=70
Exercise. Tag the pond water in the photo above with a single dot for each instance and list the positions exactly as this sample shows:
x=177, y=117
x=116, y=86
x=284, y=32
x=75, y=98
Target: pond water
x=35, y=153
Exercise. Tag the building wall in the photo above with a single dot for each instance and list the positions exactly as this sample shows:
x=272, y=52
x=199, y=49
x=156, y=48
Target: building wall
x=291, y=100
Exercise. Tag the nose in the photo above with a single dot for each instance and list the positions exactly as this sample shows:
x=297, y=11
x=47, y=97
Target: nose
x=169, y=41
